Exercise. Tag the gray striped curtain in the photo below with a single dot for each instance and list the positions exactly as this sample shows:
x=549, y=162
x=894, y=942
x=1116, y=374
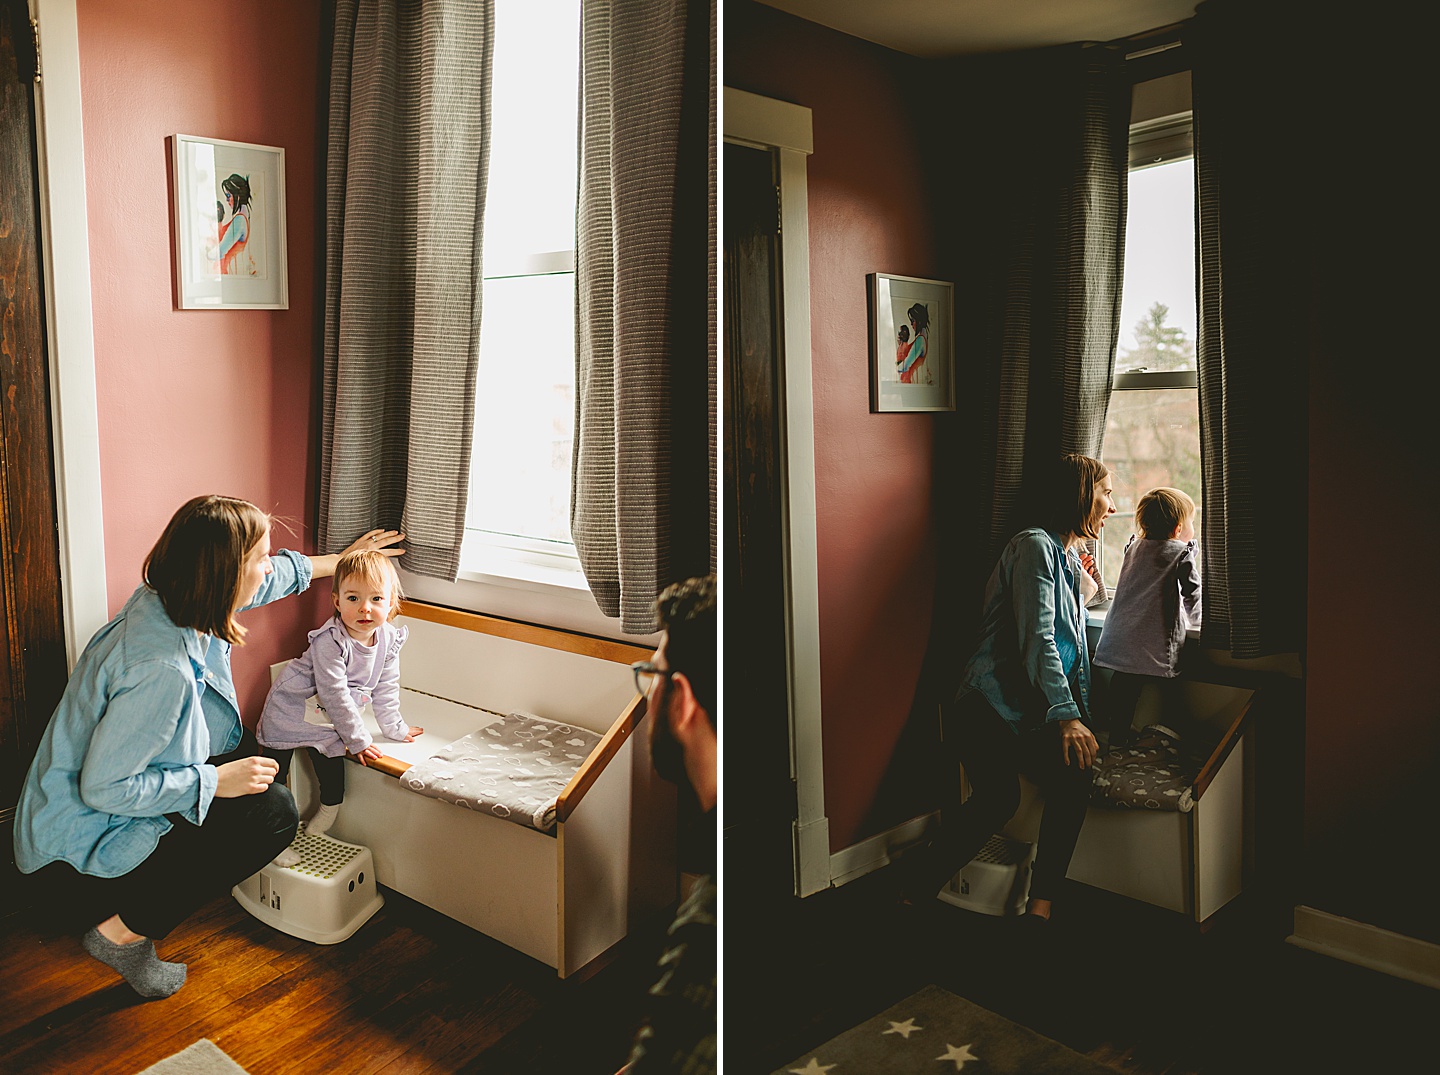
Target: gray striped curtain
x=1063, y=232
x=404, y=204
x=643, y=500
x=1252, y=363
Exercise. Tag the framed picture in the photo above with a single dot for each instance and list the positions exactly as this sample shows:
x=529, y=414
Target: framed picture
x=912, y=343
x=229, y=225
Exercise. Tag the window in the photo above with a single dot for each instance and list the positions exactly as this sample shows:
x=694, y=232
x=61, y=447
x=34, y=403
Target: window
x=1152, y=429
x=518, y=517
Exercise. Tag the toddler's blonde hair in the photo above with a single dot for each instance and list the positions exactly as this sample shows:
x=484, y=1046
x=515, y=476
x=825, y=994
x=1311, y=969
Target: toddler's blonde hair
x=374, y=567
x=1161, y=511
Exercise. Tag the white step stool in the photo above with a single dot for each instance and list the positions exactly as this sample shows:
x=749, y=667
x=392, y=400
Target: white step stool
x=996, y=881
x=324, y=898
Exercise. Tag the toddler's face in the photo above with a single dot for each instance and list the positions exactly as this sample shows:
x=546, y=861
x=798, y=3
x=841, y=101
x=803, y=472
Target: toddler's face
x=363, y=607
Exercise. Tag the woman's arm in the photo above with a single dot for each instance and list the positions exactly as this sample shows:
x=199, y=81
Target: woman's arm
x=1034, y=590
x=289, y=574
x=143, y=719
x=323, y=567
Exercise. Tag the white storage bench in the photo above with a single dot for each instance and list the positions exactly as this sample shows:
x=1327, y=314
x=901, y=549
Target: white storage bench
x=1190, y=860
x=567, y=897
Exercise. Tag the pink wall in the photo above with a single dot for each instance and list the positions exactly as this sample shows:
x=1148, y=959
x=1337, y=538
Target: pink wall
x=874, y=475
x=198, y=401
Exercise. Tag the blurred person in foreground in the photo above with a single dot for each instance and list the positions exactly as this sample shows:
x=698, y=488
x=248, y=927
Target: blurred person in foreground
x=678, y=1032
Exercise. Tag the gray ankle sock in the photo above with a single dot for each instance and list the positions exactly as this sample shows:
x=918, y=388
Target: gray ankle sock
x=147, y=974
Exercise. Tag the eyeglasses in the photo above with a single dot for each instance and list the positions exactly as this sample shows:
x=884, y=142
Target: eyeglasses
x=645, y=673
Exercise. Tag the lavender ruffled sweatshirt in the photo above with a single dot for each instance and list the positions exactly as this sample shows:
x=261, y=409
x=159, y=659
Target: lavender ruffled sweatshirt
x=343, y=675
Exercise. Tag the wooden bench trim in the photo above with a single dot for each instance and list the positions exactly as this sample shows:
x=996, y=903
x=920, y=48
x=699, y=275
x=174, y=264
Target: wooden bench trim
x=384, y=764
x=1221, y=752
x=599, y=758
x=605, y=649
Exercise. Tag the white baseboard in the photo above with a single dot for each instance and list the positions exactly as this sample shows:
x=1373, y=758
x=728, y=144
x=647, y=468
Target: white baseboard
x=870, y=854
x=812, y=856
x=1367, y=946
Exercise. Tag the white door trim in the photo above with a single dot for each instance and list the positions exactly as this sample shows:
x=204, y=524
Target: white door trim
x=65, y=251
x=785, y=129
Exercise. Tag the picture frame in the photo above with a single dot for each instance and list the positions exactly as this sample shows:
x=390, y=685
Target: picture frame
x=905, y=376
x=229, y=218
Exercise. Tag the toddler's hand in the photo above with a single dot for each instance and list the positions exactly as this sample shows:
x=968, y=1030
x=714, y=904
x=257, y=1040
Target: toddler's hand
x=411, y=732
x=369, y=754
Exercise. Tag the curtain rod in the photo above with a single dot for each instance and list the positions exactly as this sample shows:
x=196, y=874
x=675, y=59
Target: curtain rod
x=1151, y=42
x=1152, y=50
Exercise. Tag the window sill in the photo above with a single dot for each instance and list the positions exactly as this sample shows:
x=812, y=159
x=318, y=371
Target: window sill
x=529, y=593
x=494, y=567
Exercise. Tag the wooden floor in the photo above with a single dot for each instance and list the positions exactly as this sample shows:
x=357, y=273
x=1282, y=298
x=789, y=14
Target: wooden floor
x=411, y=991
x=1134, y=987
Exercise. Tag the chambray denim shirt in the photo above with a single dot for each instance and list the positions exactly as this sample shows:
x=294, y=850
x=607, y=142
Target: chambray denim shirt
x=1032, y=637
x=147, y=704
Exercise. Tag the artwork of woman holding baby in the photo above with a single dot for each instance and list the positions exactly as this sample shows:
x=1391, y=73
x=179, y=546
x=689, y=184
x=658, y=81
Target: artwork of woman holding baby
x=230, y=254
x=913, y=343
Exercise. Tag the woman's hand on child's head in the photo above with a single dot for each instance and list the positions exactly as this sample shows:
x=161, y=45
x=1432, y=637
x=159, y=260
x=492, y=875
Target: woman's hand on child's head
x=248, y=776
x=369, y=754
x=377, y=541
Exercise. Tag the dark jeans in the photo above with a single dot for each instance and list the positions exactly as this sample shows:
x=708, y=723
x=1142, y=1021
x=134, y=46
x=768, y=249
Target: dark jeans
x=190, y=866
x=1122, y=698
x=994, y=756
x=329, y=772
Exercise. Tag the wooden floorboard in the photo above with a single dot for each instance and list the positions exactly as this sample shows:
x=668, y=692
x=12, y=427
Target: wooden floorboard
x=411, y=991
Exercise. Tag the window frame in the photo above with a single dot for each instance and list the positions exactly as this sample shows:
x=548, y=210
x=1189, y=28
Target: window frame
x=530, y=579
x=1156, y=140
x=489, y=554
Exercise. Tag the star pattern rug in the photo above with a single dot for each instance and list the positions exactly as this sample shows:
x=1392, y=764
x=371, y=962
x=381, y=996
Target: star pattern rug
x=936, y=1031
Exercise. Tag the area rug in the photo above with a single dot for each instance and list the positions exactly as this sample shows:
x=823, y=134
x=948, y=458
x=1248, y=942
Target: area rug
x=936, y=1031
x=202, y=1058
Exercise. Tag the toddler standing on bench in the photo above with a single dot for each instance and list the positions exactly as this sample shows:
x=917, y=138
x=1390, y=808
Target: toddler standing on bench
x=317, y=700
x=1156, y=599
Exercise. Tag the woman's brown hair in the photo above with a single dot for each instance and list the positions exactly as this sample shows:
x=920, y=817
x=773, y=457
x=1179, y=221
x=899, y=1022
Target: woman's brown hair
x=196, y=565
x=1064, y=495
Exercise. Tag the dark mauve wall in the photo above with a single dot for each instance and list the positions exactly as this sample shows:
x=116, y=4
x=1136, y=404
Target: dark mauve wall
x=869, y=212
